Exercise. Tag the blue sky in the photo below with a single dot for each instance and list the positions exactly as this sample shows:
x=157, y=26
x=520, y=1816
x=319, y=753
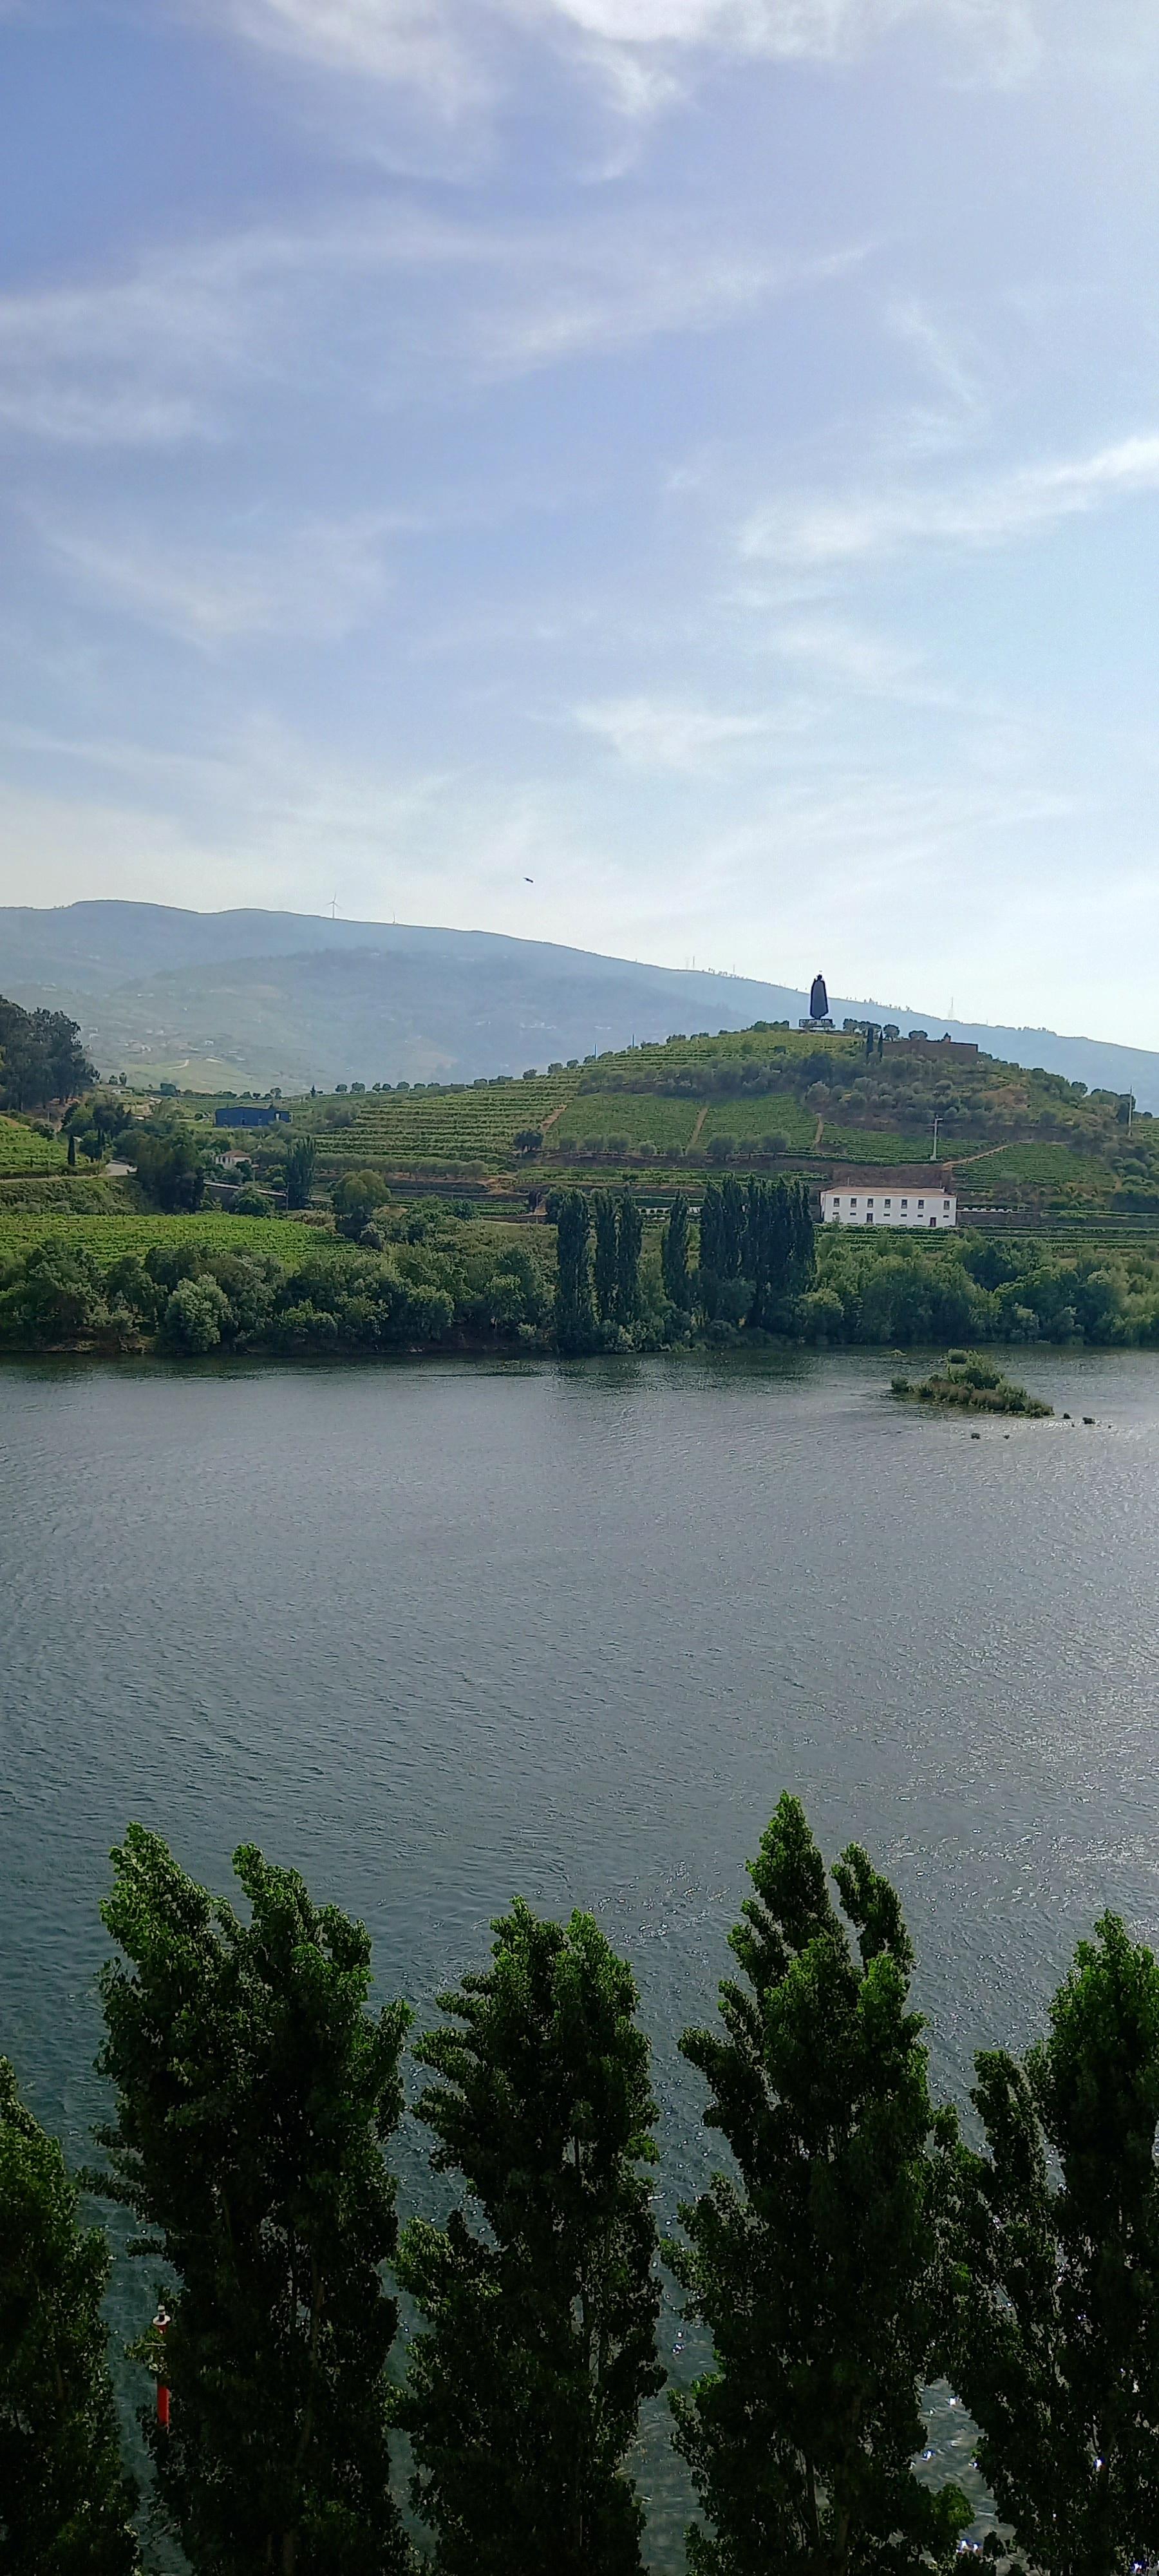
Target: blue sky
x=700, y=455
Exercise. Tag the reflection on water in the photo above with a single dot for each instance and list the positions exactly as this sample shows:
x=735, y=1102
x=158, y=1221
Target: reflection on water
x=439, y=1634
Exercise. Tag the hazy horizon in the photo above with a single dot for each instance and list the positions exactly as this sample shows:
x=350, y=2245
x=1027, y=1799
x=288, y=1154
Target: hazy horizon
x=672, y=478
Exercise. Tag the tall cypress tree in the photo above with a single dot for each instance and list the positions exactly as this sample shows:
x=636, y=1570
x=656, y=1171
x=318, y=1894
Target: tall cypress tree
x=732, y=1227
x=818, y=2271
x=629, y=1238
x=573, y=1290
x=674, y=1255
x=255, y=2092
x=606, y=1266
x=66, y=2504
x=1057, y=2344
x=539, y=2297
x=710, y=1247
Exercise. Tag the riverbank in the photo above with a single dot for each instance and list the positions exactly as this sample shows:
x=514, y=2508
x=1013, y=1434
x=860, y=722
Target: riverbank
x=426, y=1280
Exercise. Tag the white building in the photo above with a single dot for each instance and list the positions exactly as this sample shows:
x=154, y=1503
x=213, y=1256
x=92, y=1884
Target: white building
x=871, y=1198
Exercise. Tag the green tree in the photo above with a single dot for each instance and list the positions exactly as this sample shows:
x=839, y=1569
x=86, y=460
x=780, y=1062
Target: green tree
x=169, y=1164
x=818, y=2269
x=301, y=1158
x=606, y=1264
x=629, y=1239
x=540, y=2297
x=674, y=1254
x=354, y=1199
x=1056, y=2349
x=195, y=1316
x=573, y=1292
x=254, y=2094
x=66, y=2504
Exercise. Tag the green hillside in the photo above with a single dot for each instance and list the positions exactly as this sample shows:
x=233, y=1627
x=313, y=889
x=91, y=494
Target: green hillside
x=761, y=1099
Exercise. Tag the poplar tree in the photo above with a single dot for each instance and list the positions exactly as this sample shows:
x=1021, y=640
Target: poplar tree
x=606, y=1265
x=573, y=1291
x=817, y=2270
x=66, y=2504
x=1057, y=2344
x=539, y=2297
x=629, y=1239
x=674, y=1255
x=254, y=2093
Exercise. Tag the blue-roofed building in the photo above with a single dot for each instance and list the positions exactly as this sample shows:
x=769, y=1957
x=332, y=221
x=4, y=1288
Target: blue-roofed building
x=251, y=1113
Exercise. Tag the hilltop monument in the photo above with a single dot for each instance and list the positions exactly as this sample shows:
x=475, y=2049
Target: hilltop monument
x=818, y=1000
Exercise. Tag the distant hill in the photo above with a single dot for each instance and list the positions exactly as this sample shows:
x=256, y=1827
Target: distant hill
x=249, y=999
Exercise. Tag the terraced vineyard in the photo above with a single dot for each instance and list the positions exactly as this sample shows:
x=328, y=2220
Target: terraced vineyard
x=22, y=1150
x=875, y=1145
x=108, y=1237
x=642, y=1117
x=1040, y=1165
x=770, y=1113
x=463, y=1126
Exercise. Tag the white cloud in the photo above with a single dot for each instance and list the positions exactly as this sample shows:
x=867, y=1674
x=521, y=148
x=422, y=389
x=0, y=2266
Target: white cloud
x=674, y=736
x=820, y=536
x=314, y=582
x=451, y=50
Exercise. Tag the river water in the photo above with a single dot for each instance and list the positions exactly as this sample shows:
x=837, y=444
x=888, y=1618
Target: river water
x=441, y=1633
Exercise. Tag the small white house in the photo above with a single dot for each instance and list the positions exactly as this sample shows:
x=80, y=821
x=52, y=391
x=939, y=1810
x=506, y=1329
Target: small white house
x=861, y=1198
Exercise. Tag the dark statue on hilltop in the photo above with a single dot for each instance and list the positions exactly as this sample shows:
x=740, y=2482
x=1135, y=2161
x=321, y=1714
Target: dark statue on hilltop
x=818, y=1000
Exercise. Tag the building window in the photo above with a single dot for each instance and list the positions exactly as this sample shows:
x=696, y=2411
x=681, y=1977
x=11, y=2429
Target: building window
x=869, y=1216
x=933, y=1220
x=921, y=1207
x=889, y=1204
x=905, y=1207
x=853, y=1203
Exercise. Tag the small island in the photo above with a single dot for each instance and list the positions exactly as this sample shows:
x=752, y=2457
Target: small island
x=972, y=1383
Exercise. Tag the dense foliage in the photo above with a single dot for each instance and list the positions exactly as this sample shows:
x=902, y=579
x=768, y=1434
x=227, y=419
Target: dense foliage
x=819, y=2268
x=857, y=2249
x=66, y=2504
x=1055, y=2349
x=41, y=1058
x=195, y=1292
x=539, y=2297
x=254, y=2093
x=419, y=1275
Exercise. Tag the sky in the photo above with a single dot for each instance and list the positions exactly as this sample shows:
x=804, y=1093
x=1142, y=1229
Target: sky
x=676, y=477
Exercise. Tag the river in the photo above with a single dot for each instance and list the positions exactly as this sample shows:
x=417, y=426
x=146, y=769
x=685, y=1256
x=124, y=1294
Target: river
x=444, y=1632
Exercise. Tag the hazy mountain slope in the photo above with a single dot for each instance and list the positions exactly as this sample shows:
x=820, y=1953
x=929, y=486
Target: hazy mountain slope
x=293, y=999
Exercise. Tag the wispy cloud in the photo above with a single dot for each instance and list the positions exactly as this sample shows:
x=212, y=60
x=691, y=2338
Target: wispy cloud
x=408, y=304
x=314, y=582
x=679, y=738
x=821, y=535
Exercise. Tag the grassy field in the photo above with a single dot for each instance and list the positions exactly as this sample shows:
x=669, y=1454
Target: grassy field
x=107, y=1237
x=22, y=1150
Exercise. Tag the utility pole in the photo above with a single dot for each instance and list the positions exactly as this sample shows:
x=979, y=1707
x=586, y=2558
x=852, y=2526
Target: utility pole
x=934, y=1146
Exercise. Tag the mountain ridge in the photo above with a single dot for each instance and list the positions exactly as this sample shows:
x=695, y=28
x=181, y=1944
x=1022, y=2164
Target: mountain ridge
x=252, y=998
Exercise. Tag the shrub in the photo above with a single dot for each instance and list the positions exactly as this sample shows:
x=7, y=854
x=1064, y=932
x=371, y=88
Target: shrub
x=195, y=1314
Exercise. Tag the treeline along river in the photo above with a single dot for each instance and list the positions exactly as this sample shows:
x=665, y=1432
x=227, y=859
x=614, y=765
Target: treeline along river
x=436, y=1636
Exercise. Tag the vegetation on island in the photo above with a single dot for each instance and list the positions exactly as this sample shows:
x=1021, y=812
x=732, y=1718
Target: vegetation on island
x=857, y=2249
x=974, y=1385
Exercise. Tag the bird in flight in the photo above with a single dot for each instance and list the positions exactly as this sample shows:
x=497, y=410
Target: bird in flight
x=529, y=880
